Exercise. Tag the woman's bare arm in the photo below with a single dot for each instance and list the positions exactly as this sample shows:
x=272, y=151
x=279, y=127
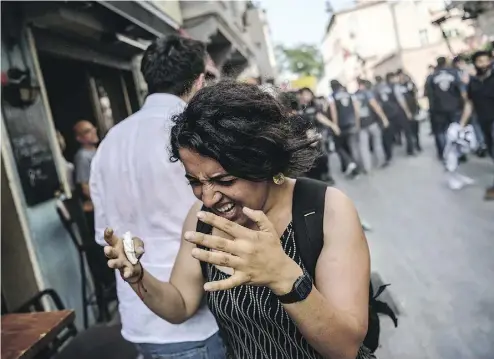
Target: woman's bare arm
x=174, y=301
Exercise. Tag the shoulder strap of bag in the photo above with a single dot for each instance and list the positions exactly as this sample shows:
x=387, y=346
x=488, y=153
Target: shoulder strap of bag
x=308, y=217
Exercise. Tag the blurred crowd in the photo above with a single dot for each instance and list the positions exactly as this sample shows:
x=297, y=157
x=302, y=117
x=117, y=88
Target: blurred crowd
x=365, y=127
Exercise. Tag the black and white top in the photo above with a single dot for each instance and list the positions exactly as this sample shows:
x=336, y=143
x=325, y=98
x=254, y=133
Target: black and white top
x=252, y=320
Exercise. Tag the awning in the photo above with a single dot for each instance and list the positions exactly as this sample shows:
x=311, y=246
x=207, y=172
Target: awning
x=145, y=15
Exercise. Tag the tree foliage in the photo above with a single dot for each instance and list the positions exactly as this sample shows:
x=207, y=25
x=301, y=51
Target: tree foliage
x=304, y=60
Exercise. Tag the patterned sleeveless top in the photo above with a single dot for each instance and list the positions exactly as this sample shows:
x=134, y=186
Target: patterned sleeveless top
x=252, y=320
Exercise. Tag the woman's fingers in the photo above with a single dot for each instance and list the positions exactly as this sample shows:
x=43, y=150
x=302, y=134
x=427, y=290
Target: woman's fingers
x=117, y=263
x=138, y=247
x=110, y=237
x=233, y=281
x=110, y=252
x=212, y=242
x=216, y=258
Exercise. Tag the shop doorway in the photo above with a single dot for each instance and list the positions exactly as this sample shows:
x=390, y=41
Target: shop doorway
x=79, y=90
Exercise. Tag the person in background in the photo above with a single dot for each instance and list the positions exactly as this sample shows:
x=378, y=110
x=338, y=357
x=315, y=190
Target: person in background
x=409, y=90
x=136, y=188
x=403, y=115
x=87, y=136
x=447, y=94
x=464, y=71
x=314, y=113
x=430, y=71
x=396, y=110
x=369, y=128
x=344, y=113
x=380, y=91
x=480, y=97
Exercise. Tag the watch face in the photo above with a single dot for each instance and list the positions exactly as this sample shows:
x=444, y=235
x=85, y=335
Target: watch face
x=303, y=286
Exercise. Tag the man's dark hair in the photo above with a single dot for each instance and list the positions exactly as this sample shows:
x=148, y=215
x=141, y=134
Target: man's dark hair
x=441, y=61
x=478, y=54
x=389, y=76
x=288, y=100
x=457, y=59
x=335, y=85
x=171, y=64
x=378, y=79
x=306, y=89
x=246, y=130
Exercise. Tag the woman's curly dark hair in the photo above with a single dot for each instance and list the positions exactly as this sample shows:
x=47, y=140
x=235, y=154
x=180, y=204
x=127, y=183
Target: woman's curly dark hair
x=246, y=130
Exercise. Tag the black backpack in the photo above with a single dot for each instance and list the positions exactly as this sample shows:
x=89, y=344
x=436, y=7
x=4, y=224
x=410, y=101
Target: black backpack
x=308, y=214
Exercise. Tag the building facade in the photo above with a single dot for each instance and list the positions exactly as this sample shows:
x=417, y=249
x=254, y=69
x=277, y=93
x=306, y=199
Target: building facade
x=376, y=37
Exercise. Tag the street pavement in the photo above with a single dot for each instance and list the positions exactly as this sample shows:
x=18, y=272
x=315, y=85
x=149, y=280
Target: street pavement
x=436, y=248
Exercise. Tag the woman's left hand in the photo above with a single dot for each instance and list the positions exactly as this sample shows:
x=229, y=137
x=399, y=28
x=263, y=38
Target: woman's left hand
x=256, y=257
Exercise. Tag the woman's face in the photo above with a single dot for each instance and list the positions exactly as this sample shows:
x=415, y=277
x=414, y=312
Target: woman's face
x=224, y=194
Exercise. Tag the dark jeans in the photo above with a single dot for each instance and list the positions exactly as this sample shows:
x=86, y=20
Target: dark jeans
x=441, y=122
x=347, y=148
x=211, y=348
x=400, y=123
x=415, y=128
x=388, y=142
x=487, y=127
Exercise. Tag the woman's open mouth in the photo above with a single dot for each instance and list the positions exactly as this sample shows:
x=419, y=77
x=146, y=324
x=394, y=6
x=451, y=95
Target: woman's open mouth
x=227, y=210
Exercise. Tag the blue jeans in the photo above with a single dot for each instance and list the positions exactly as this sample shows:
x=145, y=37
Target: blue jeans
x=211, y=348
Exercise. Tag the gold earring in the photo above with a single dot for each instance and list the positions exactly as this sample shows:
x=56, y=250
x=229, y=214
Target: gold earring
x=279, y=179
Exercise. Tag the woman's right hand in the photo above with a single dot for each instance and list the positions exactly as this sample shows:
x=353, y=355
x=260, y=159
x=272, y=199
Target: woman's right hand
x=118, y=260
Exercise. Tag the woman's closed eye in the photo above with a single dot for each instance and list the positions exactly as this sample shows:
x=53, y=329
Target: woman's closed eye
x=225, y=183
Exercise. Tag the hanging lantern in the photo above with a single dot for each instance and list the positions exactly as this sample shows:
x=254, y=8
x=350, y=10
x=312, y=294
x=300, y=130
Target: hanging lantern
x=17, y=88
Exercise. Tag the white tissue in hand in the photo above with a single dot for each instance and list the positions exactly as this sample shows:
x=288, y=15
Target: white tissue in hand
x=129, y=248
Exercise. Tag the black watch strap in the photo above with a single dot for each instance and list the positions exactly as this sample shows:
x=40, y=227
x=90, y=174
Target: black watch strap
x=301, y=290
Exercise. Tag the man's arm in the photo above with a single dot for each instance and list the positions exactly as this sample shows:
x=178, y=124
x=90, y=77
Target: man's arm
x=333, y=111
x=327, y=122
x=83, y=174
x=401, y=101
x=95, y=183
x=333, y=318
x=356, y=109
x=468, y=106
x=379, y=111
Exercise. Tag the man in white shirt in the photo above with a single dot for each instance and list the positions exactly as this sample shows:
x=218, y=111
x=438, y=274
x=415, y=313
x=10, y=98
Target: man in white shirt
x=134, y=187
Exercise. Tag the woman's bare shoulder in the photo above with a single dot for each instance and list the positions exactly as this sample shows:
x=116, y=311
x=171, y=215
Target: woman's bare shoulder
x=190, y=222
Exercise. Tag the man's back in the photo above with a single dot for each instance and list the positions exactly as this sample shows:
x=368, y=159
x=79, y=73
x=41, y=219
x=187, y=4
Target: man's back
x=136, y=188
x=446, y=89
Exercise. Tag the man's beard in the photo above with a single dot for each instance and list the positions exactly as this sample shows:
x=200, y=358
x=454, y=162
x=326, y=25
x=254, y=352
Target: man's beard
x=481, y=70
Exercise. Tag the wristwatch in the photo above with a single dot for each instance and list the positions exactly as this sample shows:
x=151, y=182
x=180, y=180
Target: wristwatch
x=301, y=290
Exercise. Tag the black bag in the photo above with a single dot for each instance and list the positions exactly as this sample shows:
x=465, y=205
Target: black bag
x=308, y=217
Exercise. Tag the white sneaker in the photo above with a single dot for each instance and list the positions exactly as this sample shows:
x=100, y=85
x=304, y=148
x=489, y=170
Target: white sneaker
x=466, y=180
x=455, y=183
x=351, y=167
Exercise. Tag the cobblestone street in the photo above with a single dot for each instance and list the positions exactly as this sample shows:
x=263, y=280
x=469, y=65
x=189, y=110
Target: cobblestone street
x=436, y=248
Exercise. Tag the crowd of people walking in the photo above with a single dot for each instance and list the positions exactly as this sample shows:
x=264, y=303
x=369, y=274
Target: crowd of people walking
x=364, y=128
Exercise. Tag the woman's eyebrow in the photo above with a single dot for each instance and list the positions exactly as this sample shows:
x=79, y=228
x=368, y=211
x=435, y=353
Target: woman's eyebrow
x=214, y=178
